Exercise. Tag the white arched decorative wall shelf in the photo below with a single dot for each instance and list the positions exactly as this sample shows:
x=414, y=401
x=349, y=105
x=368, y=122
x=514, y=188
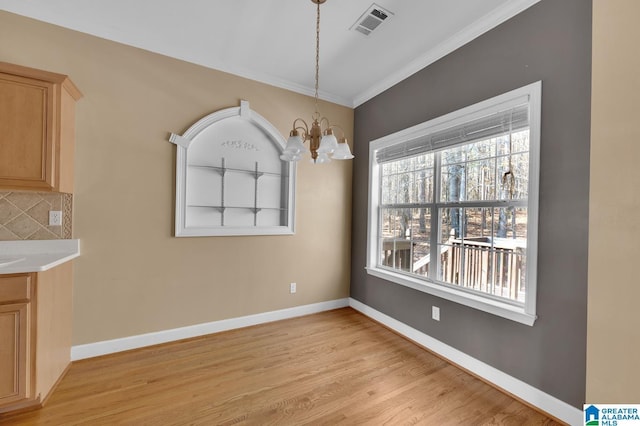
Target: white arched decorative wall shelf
x=230, y=179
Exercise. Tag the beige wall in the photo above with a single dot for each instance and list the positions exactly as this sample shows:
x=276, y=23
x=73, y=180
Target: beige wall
x=133, y=277
x=613, y=336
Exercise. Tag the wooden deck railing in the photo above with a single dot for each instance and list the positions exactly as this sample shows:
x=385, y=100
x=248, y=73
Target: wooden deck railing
x=497, y=269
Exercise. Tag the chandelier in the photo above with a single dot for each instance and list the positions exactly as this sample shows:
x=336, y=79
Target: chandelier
x=322, y=142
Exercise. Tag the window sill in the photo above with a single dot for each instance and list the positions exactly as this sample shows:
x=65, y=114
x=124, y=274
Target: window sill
x=495, y=307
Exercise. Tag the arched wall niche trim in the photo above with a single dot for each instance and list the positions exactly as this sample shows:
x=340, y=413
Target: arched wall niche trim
x=230, y=179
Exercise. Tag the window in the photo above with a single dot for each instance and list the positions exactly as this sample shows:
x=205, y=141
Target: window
x=454, y=205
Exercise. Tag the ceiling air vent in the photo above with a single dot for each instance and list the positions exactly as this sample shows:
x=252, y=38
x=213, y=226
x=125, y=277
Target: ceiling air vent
x=371, y=19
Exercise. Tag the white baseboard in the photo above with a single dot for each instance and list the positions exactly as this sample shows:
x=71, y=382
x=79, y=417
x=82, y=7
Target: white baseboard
x=545, y=402
x=91, y=350
x=526, y=392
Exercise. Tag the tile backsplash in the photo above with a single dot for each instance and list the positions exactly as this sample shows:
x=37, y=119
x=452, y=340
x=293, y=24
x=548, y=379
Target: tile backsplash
x=25, y=215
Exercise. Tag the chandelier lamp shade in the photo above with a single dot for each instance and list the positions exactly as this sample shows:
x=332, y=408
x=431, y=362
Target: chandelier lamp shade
x=323, y=144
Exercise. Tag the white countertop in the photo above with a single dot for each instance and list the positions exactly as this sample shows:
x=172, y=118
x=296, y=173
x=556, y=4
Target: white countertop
x=37, y=255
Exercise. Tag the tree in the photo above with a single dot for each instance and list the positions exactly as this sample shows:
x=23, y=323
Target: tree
x=456, y=187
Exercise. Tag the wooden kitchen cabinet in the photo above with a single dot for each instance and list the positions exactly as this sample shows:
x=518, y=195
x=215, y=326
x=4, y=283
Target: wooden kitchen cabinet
x=35, y=335
x=37, y=129
x=15, y=323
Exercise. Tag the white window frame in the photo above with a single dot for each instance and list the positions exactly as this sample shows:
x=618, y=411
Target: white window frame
x=526, y=313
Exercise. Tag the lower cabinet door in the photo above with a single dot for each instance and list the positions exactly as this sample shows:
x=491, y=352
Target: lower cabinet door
x=14, y=333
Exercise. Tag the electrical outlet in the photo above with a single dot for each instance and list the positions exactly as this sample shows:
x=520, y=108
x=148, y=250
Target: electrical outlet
x=435, y=313
x=55, y=218
x=292, y=288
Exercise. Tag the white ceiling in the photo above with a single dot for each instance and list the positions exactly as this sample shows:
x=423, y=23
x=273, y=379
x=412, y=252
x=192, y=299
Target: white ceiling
x=273, y=41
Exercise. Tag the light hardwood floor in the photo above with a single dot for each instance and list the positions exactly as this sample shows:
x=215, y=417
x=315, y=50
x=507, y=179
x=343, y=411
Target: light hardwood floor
x=336, y=367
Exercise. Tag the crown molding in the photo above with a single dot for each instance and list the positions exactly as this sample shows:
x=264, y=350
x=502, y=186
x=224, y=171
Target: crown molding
x=479, y=27
x=276, y=82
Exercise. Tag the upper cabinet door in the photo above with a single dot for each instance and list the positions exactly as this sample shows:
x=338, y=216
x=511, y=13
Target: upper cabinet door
x=37, y=129
x=26, y=127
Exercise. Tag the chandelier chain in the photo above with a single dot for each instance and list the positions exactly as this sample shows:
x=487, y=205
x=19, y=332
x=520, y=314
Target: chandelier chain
x=317, y=56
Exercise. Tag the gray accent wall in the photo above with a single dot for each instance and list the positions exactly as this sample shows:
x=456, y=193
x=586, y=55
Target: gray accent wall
x=550, y=41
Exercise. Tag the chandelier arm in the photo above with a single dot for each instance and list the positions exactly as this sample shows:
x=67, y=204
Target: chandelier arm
x=304, y=133
x=304, y=127
x=326, y=122
x=342, y=139
x=304, y=123
x=344, y=136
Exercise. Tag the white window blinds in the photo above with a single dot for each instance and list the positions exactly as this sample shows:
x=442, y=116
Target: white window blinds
x=514, y=116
